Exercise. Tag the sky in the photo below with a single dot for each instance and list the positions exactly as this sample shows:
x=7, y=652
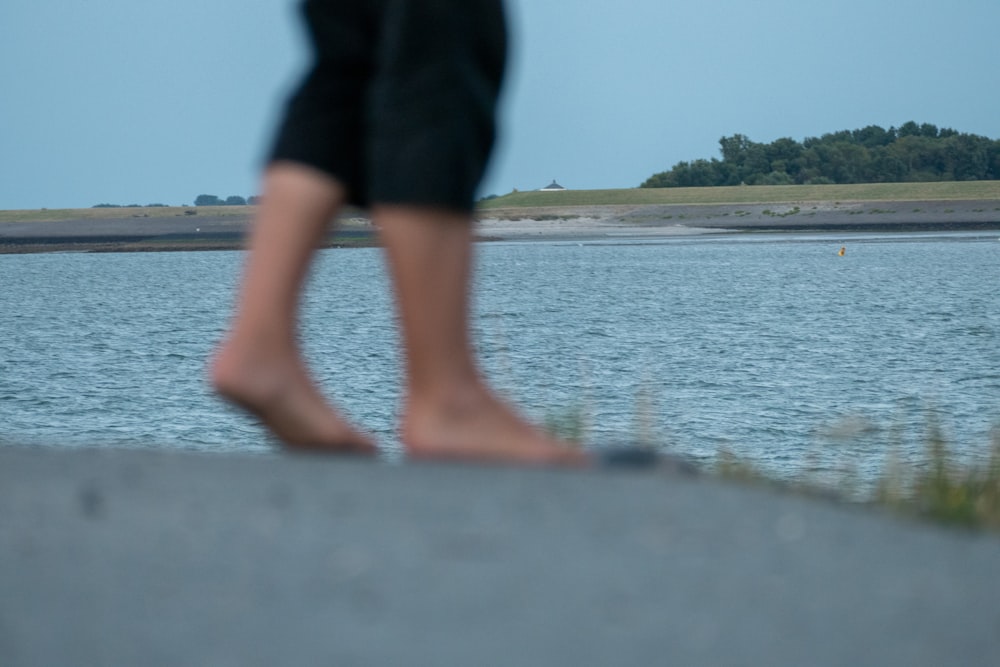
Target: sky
x=158, y=101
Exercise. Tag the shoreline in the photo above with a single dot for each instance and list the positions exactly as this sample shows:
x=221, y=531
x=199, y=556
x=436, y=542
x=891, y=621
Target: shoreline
x=666, y=220
x=227, y=231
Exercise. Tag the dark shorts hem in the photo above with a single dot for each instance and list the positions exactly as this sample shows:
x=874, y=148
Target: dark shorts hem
x=399, y=104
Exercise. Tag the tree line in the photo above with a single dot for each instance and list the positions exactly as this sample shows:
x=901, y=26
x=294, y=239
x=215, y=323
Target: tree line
x=232, y=200
x=200, y=200
x=871, y=154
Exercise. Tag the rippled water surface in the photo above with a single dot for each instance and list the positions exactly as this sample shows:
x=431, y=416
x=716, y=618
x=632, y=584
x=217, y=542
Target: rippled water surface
x=770, y=346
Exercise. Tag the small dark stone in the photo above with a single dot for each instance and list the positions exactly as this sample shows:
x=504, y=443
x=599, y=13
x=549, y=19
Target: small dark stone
x=645, y=457
x=92, y=502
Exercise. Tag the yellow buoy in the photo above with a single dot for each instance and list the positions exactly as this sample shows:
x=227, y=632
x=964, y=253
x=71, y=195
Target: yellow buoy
x=843, y=249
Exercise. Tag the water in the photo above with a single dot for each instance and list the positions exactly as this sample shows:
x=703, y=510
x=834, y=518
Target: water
x=769, y=346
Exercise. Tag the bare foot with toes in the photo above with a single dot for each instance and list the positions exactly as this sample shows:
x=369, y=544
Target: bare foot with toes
x=278, y=391
x=478, y=426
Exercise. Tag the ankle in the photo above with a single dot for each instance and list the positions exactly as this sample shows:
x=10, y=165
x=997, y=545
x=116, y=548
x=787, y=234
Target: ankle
x=480, y=426
x=244, y=365
x=453, y=409
x=448, y=399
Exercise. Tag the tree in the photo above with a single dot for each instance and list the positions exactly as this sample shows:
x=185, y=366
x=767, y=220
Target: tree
x=235, y=200
x=734, y=149
x=968, y=156
x=207, y=200
x=886, y=167
x=993, y=161
x=913, y=152
x=929, y=130
x=774, y=178
x=874, y=136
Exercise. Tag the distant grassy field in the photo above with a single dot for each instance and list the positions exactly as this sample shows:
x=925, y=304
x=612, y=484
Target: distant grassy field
x=757, y=194
x=58, y=214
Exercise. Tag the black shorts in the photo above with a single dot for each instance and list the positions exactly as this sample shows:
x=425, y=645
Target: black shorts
x=400, y=102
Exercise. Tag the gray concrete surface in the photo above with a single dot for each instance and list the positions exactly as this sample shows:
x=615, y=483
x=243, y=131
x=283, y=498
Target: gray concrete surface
x=156, y=558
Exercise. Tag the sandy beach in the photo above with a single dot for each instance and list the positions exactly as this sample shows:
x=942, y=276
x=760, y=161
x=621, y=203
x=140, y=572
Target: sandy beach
x=651, y=221
x=201, y=229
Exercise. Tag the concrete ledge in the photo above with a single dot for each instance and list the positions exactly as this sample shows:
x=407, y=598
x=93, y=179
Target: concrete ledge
x=119, y=557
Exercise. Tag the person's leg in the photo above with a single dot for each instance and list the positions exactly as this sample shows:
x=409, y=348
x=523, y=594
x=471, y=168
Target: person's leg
x=259, y=365
x=450, y=412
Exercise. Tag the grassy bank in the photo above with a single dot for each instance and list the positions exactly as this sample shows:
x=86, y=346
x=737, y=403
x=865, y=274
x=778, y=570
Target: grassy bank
x=934, y=486
x=758, y=194
x=123, y=213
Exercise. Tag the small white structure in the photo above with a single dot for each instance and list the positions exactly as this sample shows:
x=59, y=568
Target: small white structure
x=552, y=187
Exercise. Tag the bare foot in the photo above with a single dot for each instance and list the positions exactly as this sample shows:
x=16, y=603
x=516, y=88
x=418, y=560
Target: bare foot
x=277, y=389
x=478, y=426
